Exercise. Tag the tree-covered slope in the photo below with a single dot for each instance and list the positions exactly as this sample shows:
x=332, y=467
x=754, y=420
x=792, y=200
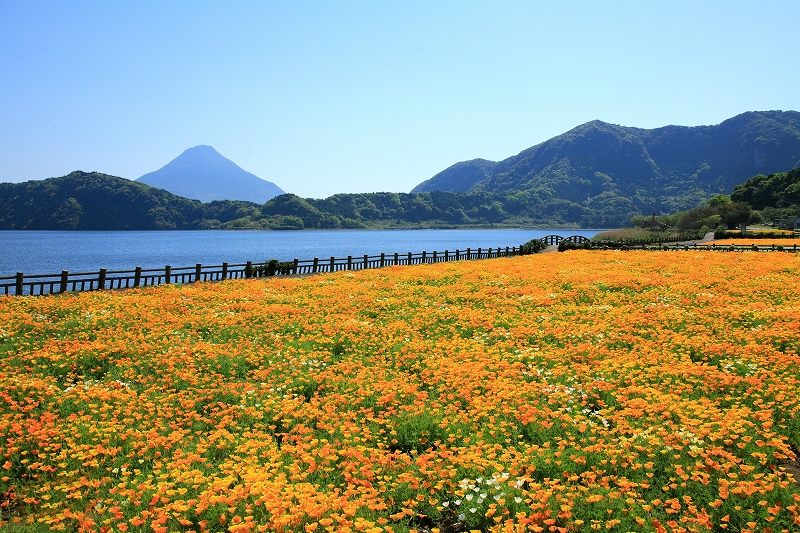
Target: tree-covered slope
x=95, y=201
x=460, y=177
x=607, y=167
x=776, y=191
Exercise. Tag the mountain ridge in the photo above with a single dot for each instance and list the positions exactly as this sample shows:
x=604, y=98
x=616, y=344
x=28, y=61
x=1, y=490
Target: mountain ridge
x=662, y=169
x=202, y=173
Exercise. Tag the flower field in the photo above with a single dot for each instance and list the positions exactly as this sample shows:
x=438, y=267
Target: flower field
x=580, y=391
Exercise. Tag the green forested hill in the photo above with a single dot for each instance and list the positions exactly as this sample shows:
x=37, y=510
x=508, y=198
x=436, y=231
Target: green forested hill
x=94, y=201
x=774, y=191
x=613, y=170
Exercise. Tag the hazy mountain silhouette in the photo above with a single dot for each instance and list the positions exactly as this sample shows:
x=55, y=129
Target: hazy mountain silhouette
x=201, y=173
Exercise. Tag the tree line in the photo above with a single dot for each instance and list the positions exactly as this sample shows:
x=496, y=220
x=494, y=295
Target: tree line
x=766, y=199
x=94, y=201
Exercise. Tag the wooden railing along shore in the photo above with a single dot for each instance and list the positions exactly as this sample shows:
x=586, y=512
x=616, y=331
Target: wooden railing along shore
x=41, y=284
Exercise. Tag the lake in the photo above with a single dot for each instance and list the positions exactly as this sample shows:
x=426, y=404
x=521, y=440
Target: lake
x=48, y=252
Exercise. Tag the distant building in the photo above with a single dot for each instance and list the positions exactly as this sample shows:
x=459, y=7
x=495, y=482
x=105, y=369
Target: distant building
x=790, y=223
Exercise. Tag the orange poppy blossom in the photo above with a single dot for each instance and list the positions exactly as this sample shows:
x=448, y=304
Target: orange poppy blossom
x=587, y=390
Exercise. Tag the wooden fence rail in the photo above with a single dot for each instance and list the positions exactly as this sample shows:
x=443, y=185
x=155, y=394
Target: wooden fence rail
x=41, y=284
x=794, y=248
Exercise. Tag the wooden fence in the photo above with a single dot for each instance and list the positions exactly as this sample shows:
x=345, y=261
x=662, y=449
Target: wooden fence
x=706, y=247
x=40, y=284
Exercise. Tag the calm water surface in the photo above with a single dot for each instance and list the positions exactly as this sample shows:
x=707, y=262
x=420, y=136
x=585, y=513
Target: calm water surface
x=47, y=252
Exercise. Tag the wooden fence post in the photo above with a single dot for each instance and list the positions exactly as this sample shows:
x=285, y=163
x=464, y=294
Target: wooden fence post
x=457, y=254
x=333, y=263
x=19, y=280
x=101, y=280
x=409, y=258
x=423, y=257
x=224, y=271
x=349, y=262
x=397, y=258
x=137, y=276
x=198, y=272
x=383, y=259
x=479, y=253
x=434, y=256
x=316, y=264
x=64, y=280
x=294, y=267
x=469, y=254
x=366, y=260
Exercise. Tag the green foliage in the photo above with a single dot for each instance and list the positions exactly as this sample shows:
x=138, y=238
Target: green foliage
x=604, y=171
x=94, y=201
x=419, y=431
x=719, y=213
x=718, y=200
x=775, y=191
x=273, y=267
x=565, y=245
x=735, y=214
x=533, y=246
x=68, y=215
x=722, y=233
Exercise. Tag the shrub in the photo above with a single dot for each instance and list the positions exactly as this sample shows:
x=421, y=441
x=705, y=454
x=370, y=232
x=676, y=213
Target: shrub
x=533, y=246
x=569, y=245
x=273, y=267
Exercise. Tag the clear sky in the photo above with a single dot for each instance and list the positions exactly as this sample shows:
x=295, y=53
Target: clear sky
x=335, y=96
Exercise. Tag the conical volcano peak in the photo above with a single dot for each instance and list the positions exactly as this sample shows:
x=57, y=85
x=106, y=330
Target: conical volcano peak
x=204, y=174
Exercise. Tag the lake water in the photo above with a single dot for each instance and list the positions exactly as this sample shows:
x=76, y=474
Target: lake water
x=48, y=252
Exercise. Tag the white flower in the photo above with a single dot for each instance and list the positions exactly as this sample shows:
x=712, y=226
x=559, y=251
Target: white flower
x=518, y=499
x=469, y=497
x=462, y=517
x=445, y=504
x=472, y=510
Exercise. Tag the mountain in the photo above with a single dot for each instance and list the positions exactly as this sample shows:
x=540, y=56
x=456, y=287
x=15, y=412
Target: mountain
x=606, y=166
x=95, y=201
x=202, y=173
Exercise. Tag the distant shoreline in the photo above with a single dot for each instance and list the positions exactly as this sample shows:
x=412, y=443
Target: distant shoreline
x=300, y=230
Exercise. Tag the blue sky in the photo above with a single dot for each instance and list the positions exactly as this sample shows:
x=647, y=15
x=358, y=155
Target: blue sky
x=327, y=97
